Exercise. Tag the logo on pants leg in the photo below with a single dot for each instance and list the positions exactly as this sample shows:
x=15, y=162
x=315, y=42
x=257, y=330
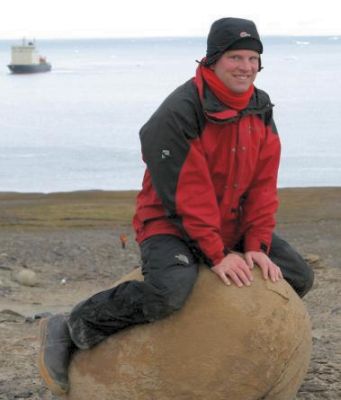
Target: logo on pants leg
x=182, y=258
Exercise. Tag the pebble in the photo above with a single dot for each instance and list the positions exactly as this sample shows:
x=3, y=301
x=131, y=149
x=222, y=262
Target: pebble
x=312, y=258
x=317, y=334
x=26, y=277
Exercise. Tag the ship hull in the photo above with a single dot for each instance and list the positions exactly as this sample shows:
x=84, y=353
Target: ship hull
x=29, y=68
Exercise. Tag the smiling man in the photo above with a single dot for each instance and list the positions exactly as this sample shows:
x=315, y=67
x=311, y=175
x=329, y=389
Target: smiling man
x=209, y=194
x=216, y=191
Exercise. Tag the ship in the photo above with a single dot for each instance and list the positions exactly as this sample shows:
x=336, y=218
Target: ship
x=26, y=60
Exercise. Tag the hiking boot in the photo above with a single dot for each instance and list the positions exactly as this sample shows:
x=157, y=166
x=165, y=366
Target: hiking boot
x=56, y=348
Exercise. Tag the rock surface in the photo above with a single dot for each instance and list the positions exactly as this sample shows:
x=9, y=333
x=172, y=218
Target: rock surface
x=226, y=343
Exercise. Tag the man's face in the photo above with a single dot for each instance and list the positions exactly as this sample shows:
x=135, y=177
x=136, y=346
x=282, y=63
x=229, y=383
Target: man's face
x=237, y=69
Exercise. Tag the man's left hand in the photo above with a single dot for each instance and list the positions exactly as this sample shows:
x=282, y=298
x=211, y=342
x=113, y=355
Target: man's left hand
x=269, y=269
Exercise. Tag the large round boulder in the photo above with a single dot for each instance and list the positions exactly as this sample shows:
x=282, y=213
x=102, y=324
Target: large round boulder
x=227, y=343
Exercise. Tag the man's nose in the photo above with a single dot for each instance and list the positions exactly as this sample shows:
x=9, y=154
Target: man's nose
x=245, y=64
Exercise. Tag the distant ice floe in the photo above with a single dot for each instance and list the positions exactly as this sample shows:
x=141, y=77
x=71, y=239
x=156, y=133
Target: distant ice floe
x=302, y=43
x=99, y=64
x=334, y=38
x=22, y=155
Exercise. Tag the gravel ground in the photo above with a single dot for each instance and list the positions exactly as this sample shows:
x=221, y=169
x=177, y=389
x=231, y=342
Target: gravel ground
x=71, y=264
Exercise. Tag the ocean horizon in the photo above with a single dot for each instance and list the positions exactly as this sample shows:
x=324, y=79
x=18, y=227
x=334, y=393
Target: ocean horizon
x=76, y=127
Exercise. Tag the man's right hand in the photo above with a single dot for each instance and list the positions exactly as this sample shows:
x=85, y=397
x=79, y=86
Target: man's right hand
x=233, y=268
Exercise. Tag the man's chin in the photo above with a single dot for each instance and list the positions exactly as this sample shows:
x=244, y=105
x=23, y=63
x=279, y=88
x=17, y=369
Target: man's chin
x=240, y=88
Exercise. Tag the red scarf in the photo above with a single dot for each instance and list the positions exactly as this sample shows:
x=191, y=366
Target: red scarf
x=236, y=101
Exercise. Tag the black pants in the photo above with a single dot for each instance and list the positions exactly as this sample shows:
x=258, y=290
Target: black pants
x=170, y=271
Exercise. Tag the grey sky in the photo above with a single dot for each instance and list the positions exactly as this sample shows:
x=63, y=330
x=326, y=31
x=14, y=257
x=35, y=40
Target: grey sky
x=137, y=18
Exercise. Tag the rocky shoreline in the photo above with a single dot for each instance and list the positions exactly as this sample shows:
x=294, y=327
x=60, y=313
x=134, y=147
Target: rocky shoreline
x=71, y=241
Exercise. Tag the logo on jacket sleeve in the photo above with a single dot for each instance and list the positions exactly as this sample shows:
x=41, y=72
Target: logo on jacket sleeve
x=165, y=153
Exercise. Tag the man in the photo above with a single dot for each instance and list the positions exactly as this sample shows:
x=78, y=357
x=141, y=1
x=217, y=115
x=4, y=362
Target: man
x=209, y=194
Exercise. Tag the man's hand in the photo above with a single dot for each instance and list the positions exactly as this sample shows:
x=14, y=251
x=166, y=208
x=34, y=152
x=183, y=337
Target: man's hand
x=234, y=267
x=269, y=269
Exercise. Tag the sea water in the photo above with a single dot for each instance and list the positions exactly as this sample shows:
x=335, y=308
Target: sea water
x=76, y=127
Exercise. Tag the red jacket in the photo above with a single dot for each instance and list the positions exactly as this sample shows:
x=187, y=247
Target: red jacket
x=211, y=175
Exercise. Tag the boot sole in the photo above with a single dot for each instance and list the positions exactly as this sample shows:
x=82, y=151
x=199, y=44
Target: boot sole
x=54, y=387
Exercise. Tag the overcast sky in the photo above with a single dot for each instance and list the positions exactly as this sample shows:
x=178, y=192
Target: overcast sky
x=139, y=18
